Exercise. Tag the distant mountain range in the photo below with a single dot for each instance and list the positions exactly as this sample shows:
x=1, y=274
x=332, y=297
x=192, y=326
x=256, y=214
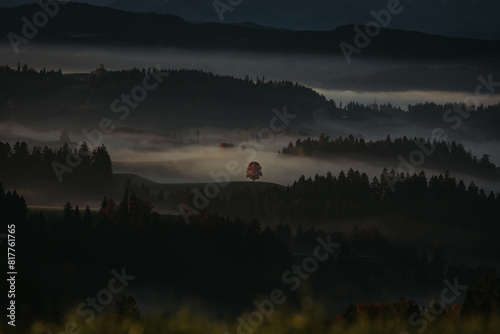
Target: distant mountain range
x=86, y=24
x=453, y=18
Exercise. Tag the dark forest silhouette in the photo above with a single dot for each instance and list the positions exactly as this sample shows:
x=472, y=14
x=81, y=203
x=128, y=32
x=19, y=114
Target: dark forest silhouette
x=26, y=84
x=440, y=198
x=442, y=153
x=223, y=254
x=66, y=256
x=38, y=167
x=194, y=93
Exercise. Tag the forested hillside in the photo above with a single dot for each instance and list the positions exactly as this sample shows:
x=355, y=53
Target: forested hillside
x=440, y=154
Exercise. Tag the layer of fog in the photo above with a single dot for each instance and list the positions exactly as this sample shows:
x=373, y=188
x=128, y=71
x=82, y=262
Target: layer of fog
x=471, y=138
x=403, y=98
x=307, y=69
x=184, y=157
x=199, y=163
x=193, y=154
x=311, y=70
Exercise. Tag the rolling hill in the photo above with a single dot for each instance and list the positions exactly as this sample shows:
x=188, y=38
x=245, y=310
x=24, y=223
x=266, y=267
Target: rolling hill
x=458, y=18
x=86, y=24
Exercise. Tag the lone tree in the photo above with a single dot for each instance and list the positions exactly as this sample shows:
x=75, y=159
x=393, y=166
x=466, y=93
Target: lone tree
x=254, y=171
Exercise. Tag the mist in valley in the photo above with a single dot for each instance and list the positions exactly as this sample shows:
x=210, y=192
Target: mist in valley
x=218, y=179
x=324, y=73
x=168, y=151
x=190, y=154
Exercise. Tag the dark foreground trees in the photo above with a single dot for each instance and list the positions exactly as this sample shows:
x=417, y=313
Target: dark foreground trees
x=227, y=262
